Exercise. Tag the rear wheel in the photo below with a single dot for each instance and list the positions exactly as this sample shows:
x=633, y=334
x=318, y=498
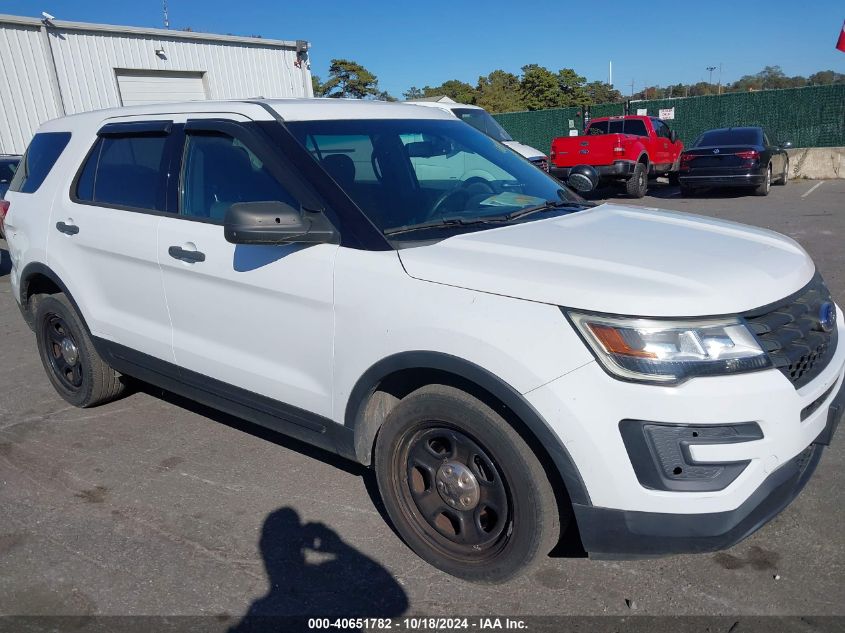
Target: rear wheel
x=637, y=184
x=462, y=488
x=764, y=187
x=72, y=364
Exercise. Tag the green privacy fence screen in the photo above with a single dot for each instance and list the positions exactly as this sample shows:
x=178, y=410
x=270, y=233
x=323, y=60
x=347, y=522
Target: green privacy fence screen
x=809, y=117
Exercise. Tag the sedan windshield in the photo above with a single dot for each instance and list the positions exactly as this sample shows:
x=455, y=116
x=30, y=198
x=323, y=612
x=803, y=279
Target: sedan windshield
x=7, y=170
x=428, y=174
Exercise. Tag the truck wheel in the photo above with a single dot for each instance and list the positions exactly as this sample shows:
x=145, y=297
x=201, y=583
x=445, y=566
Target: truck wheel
x=462, y=488
x=674, y=178
x=637, y=184
x=72, y=364
x=764, y=187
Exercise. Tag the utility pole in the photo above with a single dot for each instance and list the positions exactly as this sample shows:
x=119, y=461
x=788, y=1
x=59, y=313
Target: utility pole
x=166, y=17
x=720, y=78
x=632, y=88
x=711, y=69
x=610, y=73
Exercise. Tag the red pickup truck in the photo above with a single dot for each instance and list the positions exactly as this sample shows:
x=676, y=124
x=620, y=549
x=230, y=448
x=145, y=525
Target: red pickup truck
x=623, y=148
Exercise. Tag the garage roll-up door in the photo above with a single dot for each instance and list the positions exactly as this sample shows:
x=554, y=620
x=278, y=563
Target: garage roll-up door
x=152, y=86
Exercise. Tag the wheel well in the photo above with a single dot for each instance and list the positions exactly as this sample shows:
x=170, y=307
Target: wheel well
x=34, y=285
x=643, y=159
x=395, y=386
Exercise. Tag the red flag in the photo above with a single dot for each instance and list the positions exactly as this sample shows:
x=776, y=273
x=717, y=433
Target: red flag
x=841, y=43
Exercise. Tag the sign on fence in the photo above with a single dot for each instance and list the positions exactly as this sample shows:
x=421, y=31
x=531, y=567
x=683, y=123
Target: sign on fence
x=642, y=111
x=667, y=113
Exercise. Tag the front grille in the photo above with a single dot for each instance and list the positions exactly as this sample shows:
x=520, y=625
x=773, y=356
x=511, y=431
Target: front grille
x=790, y=332
x=802, y=460
x=542, y=163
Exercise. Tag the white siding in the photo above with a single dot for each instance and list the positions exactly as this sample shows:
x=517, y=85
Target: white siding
x=87, y=61
x=89, y=57
x=26, y=95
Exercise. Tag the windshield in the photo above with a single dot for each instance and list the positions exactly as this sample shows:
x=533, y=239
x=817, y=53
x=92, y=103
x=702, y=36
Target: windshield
x=481, y=120
x=403, y=173
x=738, y=136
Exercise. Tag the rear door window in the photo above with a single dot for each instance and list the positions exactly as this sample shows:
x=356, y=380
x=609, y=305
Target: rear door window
x=125, y=171
x=41, y=155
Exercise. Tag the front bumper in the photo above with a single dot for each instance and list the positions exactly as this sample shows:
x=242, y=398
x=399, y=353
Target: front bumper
x=608, y=533
x=619, y=169
x=622, y=517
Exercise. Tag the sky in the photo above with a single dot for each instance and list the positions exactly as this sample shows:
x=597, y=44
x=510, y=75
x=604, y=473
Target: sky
x=427, y=42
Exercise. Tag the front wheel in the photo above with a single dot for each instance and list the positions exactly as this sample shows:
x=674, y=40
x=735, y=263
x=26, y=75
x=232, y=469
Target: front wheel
x=784, y=177
x=462, y=487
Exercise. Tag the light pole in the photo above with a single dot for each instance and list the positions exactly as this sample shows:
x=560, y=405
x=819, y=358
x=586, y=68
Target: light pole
x=711, y=69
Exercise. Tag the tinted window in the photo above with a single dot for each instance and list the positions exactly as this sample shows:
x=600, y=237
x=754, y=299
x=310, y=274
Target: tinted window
x=737, y=136
x=41, y=155
x=219, y=171
x=618, y=126
x=125, y=171
x=660, y=128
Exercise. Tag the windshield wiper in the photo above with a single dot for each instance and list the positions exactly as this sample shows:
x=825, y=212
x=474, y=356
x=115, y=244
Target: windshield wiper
x=457, y=222
x=446, y=223
x=548, y=205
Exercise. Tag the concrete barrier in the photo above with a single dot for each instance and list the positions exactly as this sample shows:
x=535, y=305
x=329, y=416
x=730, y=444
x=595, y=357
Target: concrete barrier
x=817, y=163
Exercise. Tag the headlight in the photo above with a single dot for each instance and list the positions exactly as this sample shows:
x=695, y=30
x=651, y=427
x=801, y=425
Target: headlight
x=670, y=352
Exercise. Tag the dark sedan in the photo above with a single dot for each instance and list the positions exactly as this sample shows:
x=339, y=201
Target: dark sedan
x=734, y=157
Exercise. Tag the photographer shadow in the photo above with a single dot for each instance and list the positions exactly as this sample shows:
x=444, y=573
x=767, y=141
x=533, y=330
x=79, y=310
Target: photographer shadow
x=314, y=573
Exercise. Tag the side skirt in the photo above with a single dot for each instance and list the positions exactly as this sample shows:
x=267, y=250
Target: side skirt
x=267, y=412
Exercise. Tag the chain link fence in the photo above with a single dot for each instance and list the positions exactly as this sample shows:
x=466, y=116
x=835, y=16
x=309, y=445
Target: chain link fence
x=808, y=117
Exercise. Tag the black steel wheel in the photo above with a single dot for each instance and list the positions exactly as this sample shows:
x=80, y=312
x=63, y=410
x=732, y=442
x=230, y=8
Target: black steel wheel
x=61, y=351
x=462, y=487
x=74, y=367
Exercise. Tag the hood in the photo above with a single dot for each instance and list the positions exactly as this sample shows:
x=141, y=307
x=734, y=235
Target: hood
x=622, y=260
x=526, y=150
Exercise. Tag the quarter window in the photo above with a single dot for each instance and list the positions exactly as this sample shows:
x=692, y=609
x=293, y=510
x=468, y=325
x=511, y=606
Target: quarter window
x=41, y=155
x=125, y=171
x=219, y=171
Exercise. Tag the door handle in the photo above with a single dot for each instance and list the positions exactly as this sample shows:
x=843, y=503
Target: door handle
x=192, y=257
x=67, y=229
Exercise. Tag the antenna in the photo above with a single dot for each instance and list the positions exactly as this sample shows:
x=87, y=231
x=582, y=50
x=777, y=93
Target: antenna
x=166, y=17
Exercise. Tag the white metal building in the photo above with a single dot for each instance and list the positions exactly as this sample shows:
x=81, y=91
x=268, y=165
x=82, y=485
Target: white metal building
x=51, y=68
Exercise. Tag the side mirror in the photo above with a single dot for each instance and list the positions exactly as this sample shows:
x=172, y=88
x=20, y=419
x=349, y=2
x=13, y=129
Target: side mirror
x=276, y=223
x=786, y=145
x=583, y=178
x=673, y=136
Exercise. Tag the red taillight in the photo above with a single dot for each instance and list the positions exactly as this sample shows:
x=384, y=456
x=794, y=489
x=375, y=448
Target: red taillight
x=751, y=154
x=4, y=209
x=619, y=150
x=687, y=158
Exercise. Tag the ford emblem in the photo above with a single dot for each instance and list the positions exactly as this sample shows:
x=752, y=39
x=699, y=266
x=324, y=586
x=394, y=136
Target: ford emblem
x=827, y=316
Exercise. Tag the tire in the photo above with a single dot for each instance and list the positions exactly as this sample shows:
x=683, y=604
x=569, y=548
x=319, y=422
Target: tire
x=74, y=367
x=764, y=187
x=784, y=177
x=674, y=178
x=440, y=445
x=637, y=184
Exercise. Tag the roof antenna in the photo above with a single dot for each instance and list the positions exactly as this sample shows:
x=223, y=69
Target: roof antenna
x=166, y=17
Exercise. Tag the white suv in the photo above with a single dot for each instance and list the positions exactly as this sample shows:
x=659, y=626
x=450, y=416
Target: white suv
x=508, y=357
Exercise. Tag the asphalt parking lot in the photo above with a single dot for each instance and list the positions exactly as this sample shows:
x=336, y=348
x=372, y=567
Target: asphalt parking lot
x=155, y=505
